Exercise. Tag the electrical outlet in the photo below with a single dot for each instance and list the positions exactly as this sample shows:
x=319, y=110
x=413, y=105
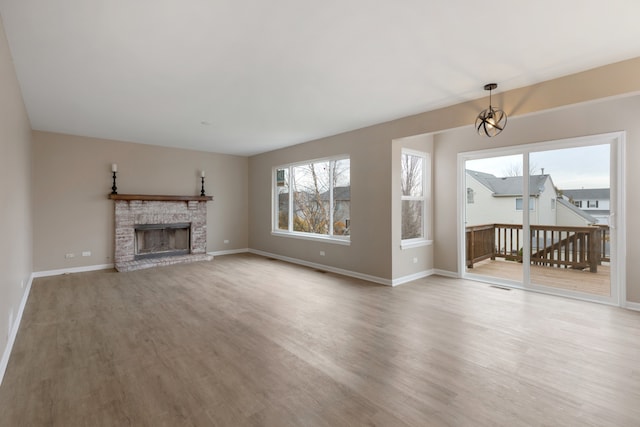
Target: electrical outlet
x=226, y=242
x=86, y=253
x=69, y=256
x=21, y=284
x=415, y=260
x=322, y=253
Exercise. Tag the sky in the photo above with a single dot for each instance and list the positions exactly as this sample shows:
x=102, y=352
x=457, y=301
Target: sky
x=570, y=168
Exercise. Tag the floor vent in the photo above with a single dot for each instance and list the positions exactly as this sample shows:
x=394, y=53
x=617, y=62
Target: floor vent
x=504, y=288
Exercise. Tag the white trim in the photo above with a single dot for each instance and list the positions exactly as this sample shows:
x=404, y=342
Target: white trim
x=14, y=330
x=411, y=277
x=315, y=160
x=312, y=236
x=415, y=243
x=48, y=273
x=425, y=198
x=348, y=273
x=228, y=252
x=619, y=276
x=632, y=305
x=446, y=273
x=275, y=196
x=461, y=211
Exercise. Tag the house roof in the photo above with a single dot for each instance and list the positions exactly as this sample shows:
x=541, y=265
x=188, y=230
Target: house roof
x=577, y=210
x=509, y=185
x=588, y=193
x=339, y=193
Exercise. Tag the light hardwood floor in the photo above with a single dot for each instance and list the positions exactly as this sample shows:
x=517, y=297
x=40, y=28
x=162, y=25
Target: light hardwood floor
x=248, y=341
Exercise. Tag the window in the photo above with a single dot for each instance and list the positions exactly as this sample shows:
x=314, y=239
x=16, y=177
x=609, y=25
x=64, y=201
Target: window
x=414, y=194
x=553, y=204
x=313, y=199
x=470, y=195
x=519, y=203
x=578, y=203
x=592, y=203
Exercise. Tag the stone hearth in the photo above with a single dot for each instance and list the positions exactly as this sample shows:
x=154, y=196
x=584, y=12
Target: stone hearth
x=131, y=212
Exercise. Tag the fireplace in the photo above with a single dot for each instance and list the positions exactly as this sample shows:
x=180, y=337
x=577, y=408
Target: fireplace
x=159, y=230
x=158, y=240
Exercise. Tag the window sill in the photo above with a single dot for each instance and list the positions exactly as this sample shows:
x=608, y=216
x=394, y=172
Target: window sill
x=314, y=237
x=415, y=243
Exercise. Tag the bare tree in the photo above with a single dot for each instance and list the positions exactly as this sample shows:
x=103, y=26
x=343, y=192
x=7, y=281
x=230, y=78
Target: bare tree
x=341, y=180
x=310, y=212
x=515, y=169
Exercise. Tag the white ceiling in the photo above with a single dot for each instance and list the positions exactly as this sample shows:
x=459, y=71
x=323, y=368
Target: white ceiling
x=264, y=74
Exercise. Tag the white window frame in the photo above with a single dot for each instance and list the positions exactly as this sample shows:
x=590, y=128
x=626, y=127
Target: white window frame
x=532, y=203
x=425, y=198
x=470, y=196
x=275, y=231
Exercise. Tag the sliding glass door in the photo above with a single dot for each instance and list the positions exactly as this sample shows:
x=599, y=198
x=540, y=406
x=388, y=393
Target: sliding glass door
x=570, y=234
x=493, y=217
x=543, y=216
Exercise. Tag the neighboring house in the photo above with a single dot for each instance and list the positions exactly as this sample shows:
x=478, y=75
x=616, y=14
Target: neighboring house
x=341, y=212
x=498, y=200
x=595, y=201
x=342, y=208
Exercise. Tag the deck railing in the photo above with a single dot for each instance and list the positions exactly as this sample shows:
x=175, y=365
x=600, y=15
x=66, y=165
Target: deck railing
x=550, y=245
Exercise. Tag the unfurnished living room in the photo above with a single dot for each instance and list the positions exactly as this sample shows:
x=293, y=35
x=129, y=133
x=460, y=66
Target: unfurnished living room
x=285, y=213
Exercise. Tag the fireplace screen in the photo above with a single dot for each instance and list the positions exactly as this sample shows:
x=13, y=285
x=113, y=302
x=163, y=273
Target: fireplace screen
x=157, y=240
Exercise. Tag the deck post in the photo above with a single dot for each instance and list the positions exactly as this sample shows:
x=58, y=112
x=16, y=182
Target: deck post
x=594, y=250
x=472, y=244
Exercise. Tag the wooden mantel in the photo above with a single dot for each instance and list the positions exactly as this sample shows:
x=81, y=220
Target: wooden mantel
x=160, y=198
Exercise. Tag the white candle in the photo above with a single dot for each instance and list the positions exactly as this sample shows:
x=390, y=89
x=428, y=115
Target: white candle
x=202, y=174
x=114, y=167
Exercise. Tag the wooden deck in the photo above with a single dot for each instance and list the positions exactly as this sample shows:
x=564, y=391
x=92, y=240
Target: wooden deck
x=575, y=280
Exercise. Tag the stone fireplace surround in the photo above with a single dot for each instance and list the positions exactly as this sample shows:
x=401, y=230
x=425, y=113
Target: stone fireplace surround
x=134, y=210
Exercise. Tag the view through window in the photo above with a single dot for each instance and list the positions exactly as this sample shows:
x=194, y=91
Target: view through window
x=414, y=194
x=314, y=198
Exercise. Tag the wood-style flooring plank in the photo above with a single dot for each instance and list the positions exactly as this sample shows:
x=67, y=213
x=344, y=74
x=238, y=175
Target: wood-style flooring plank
x=249, y=341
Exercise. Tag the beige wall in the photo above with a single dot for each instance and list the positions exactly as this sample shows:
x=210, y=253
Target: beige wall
x=15, y=210
x=72, y=179
x=403, y=259
x=375, y=237
x=370, y=251
x=560, y=108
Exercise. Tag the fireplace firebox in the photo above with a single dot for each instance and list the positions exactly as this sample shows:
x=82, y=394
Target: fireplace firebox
x=159, y=240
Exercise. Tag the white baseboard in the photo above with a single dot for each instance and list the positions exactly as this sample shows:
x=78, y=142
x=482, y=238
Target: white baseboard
x=72, y=270
x=446, y=273
x=229, y=252
x=374, y=279
x=14, y=330
x=411, y=277
x=632, y=305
